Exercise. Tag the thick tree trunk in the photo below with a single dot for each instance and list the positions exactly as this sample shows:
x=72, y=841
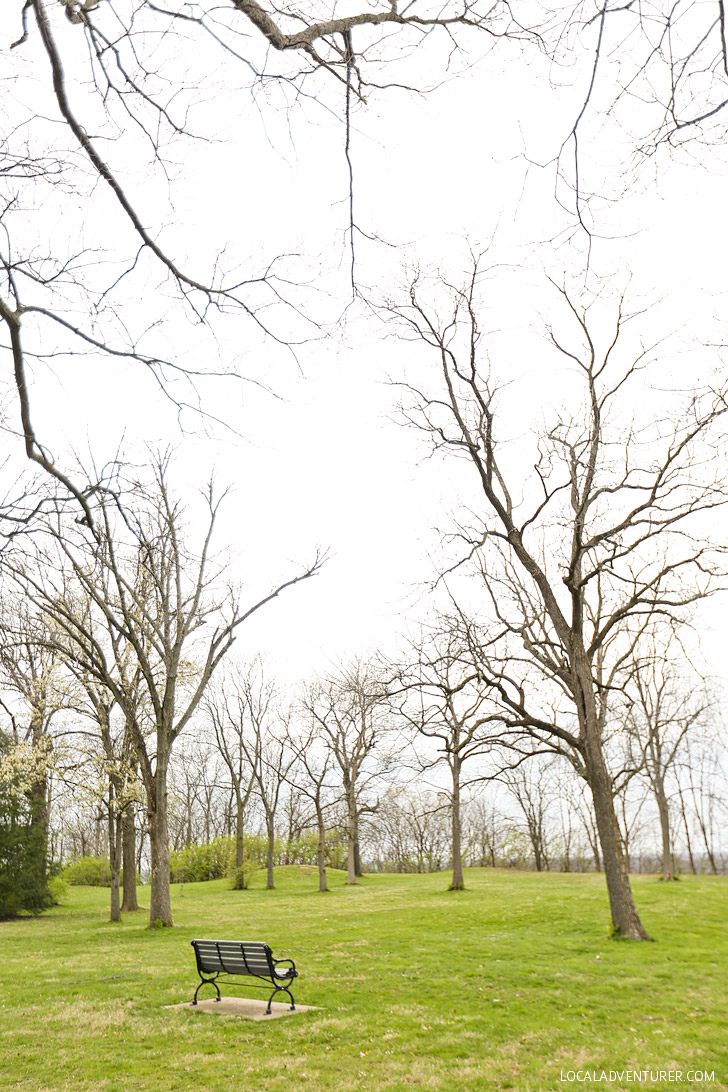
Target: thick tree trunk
x=128, y=850
x=625, y=918
x=535, y=831
x=352, y=838
x=115, y=837
x=458, y=881
x=160, y=901
x=40, y=799
x=40, y=793
x=115, y=914
x=39, y=824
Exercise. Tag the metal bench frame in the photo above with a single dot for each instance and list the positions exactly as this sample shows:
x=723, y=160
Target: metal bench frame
x=242, y=957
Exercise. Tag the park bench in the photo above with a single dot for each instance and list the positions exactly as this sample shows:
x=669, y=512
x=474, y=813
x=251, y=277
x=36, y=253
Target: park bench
x=242, y=957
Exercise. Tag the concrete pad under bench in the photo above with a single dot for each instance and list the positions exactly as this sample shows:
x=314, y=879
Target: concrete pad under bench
x=250, y=1008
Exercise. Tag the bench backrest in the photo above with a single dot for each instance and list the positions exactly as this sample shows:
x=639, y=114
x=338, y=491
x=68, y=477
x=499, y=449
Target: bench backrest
x=234, y=957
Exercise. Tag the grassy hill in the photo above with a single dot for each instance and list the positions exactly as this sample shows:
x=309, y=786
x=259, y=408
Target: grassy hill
x=511, y=984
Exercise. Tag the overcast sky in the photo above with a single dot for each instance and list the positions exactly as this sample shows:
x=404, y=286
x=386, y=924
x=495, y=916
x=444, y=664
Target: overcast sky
x=321, y=459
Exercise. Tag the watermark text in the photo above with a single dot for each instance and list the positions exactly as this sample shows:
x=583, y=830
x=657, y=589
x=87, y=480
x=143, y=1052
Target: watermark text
x=637, y=1076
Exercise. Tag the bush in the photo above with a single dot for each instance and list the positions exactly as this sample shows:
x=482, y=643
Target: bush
x=88, y=872
x=23, y=874
x=23, y=843
x=58, y=889
x=213, y=860
x=210, y=861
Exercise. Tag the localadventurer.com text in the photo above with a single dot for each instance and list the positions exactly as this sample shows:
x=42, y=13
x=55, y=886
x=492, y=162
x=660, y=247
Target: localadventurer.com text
x=637, y=1076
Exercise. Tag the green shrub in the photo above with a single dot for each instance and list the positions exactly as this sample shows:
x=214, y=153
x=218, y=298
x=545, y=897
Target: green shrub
x=23, y=841
x=213, y=860
x=23, y=875
x=241, y=877
x=88, y=872
x=58, y=888
x=210, y=861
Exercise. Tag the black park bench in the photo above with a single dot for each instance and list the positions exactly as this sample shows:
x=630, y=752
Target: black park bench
x=242, y=957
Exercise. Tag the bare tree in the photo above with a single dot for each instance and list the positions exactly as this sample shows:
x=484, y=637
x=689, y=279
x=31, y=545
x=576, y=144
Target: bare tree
x=485, y=831
x=429, y=819
x=411, y=830
x=528, y=788
x=263, y=735
x=311, y=777
x=224, y=707
x=701, y=777
x=391, y=843
x=350, y=709
x=604, y=532
x=120, y=784
x=445, y=702
x=578, y=836
x=630, y=800
x=153, y=600
x=666, y=709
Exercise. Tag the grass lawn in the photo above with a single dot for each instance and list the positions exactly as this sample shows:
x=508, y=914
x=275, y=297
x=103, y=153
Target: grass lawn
x=506, y=985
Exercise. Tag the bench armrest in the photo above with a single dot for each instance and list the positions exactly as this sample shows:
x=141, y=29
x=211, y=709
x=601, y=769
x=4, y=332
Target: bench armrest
x=285, y=972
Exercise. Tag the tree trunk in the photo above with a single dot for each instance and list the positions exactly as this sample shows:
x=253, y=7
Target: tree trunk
x=707, y=844
x=239, y=843
x=39, y=825
x=115, y=836
x=321, y=850
x=128, y=849
x=458, y=881
x=566, y=862
x=668, y=860
x=592, y=837
x=140, y=851
x=160, y=901
x=535, y=832
x=352, y=838
x=693, y=869
x=625, y=918
x=269, y=853
x=40, y=795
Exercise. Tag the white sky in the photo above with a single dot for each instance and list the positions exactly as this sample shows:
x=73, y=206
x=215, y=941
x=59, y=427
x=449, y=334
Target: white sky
x=324, y=461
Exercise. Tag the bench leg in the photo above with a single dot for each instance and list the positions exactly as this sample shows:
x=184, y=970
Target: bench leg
x=207, y=982
x=280, y=989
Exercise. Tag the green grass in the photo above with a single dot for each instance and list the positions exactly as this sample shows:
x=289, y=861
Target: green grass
x=502, y=986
